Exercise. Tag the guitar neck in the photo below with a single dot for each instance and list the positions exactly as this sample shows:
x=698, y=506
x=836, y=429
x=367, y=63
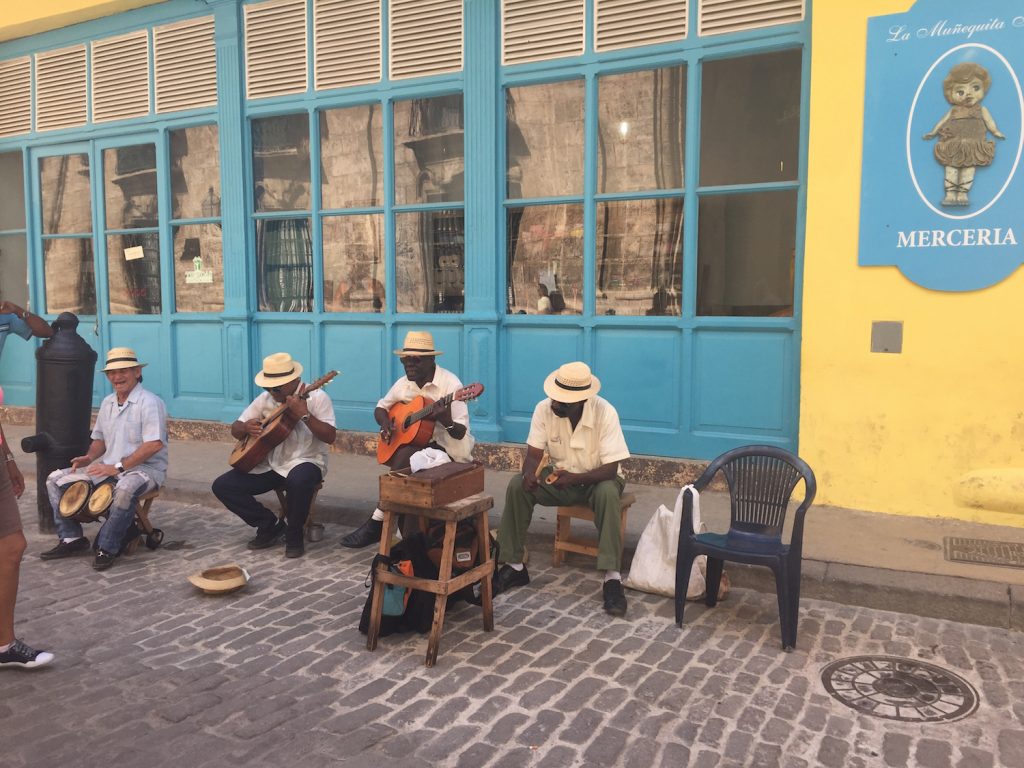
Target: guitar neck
x=318, y=384
x=430, y=410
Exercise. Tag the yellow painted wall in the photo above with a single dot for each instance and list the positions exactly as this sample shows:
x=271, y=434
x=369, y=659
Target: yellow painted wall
x=897, y=432
x=19, y=19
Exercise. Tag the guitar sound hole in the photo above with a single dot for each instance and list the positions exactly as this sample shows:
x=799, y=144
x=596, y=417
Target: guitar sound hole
x=406, y=424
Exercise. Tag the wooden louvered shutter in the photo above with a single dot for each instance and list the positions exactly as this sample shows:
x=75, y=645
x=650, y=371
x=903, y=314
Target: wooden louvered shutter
x=426, y=37
x=346, y=43
x=61, y=89
x=185, y=65
x=719, y=17
x=120, y=77
x=276, y=53
x=535, y=30
x=631, y=23
x=16, y=96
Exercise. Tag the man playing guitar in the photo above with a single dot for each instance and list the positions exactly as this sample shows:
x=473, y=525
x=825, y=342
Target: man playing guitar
x=423, y=376
x=298, y=464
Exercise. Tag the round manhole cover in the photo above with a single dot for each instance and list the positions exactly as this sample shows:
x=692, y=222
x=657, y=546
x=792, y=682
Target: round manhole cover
x=899, y=689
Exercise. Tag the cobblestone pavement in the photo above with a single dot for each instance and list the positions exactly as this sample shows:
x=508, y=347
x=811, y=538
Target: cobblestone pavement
x=150, y=672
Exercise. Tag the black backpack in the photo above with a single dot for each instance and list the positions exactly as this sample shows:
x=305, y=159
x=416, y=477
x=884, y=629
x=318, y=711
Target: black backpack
x=557, y=302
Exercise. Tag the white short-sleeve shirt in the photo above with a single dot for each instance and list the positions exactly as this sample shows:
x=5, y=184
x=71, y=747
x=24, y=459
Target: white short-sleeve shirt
x=301, y=445
x=444, y=383
x=596, y=441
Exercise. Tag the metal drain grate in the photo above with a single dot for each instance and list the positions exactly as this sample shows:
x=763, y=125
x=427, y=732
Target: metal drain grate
x=1006, y=553
x=899, y=689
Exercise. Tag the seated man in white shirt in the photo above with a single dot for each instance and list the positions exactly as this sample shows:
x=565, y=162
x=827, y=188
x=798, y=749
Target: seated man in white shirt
x=423, y=376
x=581, y=434
x=298, y=464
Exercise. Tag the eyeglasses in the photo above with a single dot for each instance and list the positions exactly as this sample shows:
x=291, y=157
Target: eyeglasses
x=276, y=389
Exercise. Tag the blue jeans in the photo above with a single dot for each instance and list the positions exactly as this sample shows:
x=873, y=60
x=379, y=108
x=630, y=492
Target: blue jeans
x=130, y=485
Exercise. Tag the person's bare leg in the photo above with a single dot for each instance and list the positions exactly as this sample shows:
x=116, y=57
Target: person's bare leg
x=12, y=547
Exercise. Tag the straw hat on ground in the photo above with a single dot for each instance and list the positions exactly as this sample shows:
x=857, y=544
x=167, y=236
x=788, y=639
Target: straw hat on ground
x=572, y=383
x=220, y=580
x=418, y=344
x=122, y=357
x=278, y=369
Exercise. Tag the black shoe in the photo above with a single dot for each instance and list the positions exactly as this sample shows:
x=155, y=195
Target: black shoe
x=267, y=536
x=367, y=533
x=103, y=560
x=66, y=549
x=21, y=656
x=614, y=598
x=294, y=550
x=507, y=577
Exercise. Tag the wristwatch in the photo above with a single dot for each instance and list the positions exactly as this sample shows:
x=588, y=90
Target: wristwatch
x=306, y=418
x=119, y=467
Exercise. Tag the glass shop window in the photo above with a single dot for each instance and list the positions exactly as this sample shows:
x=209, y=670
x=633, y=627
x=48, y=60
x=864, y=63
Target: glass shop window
x=13, y=253
x=66, y=216
x=197, y=238
x=352, y=190
x=544, y=127
x=750, y=129
x=284, y=243
x=429, y=169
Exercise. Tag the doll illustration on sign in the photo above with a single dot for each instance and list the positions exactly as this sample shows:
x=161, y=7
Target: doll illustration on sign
x=963, y=143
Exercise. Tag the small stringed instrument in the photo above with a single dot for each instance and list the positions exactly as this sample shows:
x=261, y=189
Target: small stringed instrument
x=414, y=421
x=250, y=450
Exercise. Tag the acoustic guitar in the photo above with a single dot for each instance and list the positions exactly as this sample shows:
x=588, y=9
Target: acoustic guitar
x=413, y=422
x=251, y=450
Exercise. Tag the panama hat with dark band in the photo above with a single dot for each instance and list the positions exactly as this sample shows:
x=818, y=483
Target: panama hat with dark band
x=122, y=357
x=418, y=344
x=278, y=369
x=572, y=383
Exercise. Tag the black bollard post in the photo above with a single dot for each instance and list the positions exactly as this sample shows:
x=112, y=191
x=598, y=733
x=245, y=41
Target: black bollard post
x=65, y=366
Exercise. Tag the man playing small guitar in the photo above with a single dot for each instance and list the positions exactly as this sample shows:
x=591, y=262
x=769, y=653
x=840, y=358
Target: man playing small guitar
x=423, y=378
x=298, y=464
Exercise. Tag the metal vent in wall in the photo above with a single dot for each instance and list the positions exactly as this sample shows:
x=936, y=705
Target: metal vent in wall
x=185, y=65
x=630, y=23
x=346, y=42
x=61, y=88
x=275, y=48
x=535, y=30
x=120, y=77
x=16, y=96
x=719, y=17
x=426, y=37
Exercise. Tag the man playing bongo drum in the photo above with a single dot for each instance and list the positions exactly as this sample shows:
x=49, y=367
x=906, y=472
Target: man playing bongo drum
x=129, y=443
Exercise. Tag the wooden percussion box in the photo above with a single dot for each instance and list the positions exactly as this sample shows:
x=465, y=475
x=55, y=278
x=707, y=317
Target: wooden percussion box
x=434, y=487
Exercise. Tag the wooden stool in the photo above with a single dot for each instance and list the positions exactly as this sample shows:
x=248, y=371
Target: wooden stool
x=154, y=536
x=282, y=497
x=564, y=541
x=474, y=507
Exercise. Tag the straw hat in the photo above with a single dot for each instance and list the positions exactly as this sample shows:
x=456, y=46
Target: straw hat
x=221, y=580
x=572, y=383
x=122, y=357
x=278, y=369
x=418, y=344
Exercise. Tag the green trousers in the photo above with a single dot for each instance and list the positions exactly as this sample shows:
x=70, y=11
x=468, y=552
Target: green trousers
x=603, y=498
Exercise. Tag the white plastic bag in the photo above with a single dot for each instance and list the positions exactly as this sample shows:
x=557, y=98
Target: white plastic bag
x=654, y=562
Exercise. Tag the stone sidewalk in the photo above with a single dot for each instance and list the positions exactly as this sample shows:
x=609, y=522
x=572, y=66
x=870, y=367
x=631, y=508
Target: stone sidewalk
x=150, y=672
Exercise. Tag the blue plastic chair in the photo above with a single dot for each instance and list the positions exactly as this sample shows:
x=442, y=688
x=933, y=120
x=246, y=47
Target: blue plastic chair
x=761, y=480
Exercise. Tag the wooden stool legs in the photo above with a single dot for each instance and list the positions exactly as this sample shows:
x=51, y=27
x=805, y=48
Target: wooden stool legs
x=566, y=542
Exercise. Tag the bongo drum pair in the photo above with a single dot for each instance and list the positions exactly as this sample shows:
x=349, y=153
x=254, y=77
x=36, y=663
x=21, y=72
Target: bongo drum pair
x=85, y=503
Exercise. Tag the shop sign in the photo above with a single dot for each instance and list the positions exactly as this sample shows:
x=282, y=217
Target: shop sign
x=942, y=187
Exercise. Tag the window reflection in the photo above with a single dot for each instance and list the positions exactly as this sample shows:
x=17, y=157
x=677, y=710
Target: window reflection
x=198, y=268
x=545, y=247
x=280, y=163
x=750, y=119
x=70, y=275
x=354, y=263
x=429, y=165
x=429, y=254
x=12, y=191
x=195, y=173
x=352, y=157
x=641, y=117
x=745, y=254
x=544, y=130
x=129, y=187
x=133, y=273
x=639, y=257
x=14, y=269
x=64, y=185
x=284, y=265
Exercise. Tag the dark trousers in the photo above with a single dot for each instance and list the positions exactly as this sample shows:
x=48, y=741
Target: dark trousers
x=237, y=491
